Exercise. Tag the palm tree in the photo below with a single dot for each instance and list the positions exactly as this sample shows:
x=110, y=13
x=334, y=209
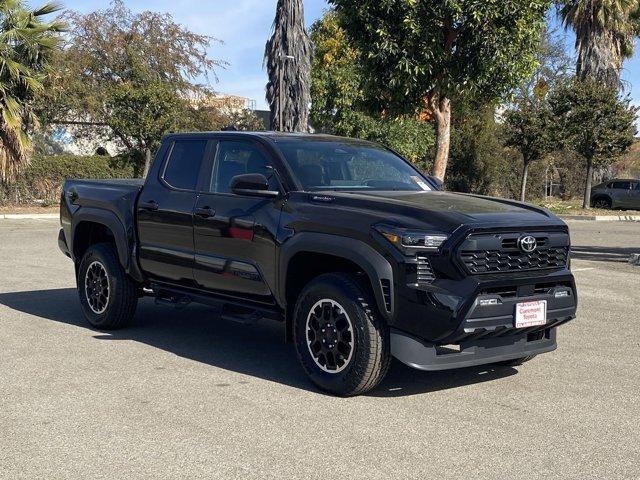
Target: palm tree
x=27, y=43
x=288, y=61
x=605, y=33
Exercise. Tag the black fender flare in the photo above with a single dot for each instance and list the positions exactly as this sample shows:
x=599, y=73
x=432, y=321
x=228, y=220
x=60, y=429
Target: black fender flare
x=113, y=223
x=371, y=261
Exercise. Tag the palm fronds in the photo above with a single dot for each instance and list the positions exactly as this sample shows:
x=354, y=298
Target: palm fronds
x=605, y=34
x=27, y=42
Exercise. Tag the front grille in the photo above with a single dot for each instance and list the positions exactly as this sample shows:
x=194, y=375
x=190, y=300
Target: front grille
x=499, y=252
x=424, y=271
x=497, y=261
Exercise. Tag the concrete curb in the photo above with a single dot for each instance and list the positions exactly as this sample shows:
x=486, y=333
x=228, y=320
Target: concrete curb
x=27, y=216
x=602, y=218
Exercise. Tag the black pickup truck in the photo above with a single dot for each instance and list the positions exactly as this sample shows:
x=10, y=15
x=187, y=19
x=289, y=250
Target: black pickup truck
x=359, y=254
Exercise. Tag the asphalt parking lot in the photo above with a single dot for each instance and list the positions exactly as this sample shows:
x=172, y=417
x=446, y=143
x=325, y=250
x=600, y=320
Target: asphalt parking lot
x=182, y=395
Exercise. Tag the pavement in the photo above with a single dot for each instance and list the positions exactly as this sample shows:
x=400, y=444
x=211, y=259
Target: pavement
x=182, y=394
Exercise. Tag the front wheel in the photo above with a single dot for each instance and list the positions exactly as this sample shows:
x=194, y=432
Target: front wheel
x=108, y=296
x=341, y=340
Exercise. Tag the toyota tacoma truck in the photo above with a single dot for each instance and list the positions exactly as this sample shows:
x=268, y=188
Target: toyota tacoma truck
x=358, y=253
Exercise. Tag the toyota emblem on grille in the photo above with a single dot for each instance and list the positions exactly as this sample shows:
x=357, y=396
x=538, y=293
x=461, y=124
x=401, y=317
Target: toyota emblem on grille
x=527, y=243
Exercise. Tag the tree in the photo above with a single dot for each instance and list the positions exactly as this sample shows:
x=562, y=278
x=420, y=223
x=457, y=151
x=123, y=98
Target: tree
x=595, y=122
x=288, y=60
x=135, y=75
x=27, y=43
x=339, y=103
x=605, y=35
x=529, y=129
x=428, y=51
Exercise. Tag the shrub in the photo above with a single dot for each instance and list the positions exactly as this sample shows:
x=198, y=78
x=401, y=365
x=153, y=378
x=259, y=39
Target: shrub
x=43, y=178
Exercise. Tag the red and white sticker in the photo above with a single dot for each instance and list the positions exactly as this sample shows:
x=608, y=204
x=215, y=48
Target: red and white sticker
x=531, y=314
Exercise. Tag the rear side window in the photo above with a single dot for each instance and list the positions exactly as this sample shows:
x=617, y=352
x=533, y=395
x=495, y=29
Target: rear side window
x=622, y=185
x=183, y=166
x=636, y=186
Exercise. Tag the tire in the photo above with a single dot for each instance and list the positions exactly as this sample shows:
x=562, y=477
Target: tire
x=360, y=337
x=602, y=202
x=516, y=361
x=114, y=307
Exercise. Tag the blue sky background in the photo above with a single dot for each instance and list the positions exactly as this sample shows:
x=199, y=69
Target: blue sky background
x=245, y=25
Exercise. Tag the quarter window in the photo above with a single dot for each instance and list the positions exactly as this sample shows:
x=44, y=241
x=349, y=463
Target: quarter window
x=183, y=166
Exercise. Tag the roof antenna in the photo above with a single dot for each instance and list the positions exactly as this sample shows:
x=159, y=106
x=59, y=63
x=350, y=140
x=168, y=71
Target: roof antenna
x=230, y=128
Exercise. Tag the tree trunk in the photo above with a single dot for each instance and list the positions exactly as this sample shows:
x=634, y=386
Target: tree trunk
x=523, y=185
x=13, y=158
x=442, y=111
x=147, y=161
x=586, y=202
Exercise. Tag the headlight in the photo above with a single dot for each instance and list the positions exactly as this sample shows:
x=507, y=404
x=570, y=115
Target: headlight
x=409, y=241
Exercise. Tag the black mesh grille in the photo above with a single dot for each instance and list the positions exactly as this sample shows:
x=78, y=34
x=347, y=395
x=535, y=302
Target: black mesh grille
x=488, y=261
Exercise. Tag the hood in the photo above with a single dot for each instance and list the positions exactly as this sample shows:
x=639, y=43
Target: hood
x=445, y=209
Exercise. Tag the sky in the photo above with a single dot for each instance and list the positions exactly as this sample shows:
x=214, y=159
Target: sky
x=245, y=25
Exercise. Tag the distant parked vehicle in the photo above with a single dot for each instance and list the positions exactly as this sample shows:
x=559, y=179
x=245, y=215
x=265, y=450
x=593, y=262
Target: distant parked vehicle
x=617, y=193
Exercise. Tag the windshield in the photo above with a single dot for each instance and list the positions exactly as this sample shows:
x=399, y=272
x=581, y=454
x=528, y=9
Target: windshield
x=335, y=165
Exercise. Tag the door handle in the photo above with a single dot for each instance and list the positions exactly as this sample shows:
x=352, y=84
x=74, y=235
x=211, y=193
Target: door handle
x=205, y=212
x=150, y=205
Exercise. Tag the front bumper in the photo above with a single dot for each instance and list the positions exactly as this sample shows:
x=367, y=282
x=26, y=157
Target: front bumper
x=428, y=356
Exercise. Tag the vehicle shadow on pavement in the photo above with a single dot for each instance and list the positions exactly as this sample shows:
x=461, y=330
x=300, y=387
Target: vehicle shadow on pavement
x=604, y=254
x=257, y=350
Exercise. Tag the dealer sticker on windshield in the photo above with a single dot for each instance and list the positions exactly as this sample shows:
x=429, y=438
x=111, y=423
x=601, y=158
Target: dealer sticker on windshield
x=531, y=314
x=421, y=183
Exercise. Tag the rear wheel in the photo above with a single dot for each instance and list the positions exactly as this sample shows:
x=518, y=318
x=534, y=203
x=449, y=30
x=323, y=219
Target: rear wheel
x=108, y=296
x=341, y=340
x=602, y=203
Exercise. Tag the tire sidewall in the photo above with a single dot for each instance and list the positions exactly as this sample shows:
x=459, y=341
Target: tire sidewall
x=99, y=254
x=320, y=289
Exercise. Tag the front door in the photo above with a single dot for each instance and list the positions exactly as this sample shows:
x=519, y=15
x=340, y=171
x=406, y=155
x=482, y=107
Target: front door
x=165, y=214
x=235, y=235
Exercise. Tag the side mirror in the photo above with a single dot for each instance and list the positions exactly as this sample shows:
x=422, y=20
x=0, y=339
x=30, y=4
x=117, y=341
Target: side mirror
x=253, y=185
x=438, y=183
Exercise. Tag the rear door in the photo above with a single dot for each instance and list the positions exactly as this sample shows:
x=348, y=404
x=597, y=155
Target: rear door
x=165, y=212
x=621, y=193
x=235, y=235
x=634, y=196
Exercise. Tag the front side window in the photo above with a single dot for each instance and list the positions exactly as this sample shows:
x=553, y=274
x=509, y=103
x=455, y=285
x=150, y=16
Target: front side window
x=183, y=165
x=336, y=165
x=237, y=157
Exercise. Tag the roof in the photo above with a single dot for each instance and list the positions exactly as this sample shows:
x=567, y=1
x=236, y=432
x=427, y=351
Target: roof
x=275, y=136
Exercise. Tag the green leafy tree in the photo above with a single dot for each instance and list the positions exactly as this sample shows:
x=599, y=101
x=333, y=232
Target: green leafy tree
x=418, y=51
x=27, y=44
x=288, y=60
x=133, y=75
x=530, y=130
x=605, y=35
x=595, y=122
x=339, y=103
